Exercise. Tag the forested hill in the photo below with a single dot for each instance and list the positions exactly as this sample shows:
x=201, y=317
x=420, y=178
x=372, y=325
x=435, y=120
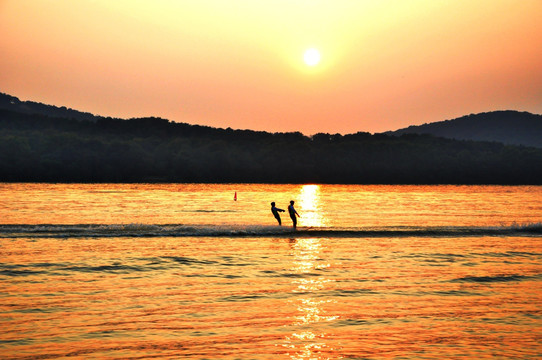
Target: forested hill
x=8, y=102
x=54, y=149
x=509, y=127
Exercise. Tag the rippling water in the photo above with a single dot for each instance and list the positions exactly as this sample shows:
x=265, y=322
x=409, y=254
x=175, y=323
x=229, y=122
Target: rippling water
x=183, y=271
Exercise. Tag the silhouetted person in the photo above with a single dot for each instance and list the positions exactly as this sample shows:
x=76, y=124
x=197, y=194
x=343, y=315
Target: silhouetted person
x=275, y=210
x=293, y=213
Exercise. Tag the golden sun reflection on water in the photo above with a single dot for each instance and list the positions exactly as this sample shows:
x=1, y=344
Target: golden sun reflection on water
x=308, y=341
x=310, y=206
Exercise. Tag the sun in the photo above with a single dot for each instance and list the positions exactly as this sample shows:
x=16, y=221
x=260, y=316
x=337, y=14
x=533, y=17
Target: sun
x=311, y=57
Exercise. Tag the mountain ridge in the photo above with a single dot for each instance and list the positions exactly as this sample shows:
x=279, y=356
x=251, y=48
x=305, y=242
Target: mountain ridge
x=505, y=126
x=42, y=148
x=12, y=103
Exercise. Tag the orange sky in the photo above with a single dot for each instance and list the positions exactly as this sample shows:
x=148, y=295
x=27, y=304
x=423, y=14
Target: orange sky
x=385, y=64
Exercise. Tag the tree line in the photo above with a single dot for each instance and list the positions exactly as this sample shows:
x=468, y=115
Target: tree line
x=38, y=148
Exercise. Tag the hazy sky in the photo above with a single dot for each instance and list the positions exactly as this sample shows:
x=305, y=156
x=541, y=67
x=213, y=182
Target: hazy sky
x=385, y=64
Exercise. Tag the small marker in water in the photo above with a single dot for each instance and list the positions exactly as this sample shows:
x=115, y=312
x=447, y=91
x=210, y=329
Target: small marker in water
x=235, y=196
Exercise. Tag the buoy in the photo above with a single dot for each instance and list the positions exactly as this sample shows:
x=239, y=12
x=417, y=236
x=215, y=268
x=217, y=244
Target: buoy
x=235, y=196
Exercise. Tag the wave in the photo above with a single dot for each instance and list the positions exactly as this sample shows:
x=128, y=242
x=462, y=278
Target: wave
x=498, y=278
x=178, y=230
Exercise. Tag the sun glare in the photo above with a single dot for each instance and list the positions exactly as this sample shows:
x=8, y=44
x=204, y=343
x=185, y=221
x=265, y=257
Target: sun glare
x=309, y=202
x=311, y=57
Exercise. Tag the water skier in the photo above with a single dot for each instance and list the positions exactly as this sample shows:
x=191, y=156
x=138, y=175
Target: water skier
x=275, y=210
x=293, y=213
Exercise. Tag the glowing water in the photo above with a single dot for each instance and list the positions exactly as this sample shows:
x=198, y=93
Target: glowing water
x=183, y=271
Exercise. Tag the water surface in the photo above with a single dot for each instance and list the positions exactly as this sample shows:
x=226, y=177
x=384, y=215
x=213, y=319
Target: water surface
x=183, y=271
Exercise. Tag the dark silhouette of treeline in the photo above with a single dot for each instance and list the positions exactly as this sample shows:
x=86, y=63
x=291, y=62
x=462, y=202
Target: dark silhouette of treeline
x=8, y=102
x=52, y=149
x=509, y=127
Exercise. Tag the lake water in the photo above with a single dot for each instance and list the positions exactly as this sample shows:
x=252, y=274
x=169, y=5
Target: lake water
x=128, y=271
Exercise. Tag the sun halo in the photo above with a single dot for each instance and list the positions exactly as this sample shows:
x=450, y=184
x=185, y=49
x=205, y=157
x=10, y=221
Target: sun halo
x=311, y=57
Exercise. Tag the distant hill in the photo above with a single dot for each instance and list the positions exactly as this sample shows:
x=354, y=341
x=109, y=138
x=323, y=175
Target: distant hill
x=49, y=144
x=508, y=127
x=39, y=148
x=11, y=103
